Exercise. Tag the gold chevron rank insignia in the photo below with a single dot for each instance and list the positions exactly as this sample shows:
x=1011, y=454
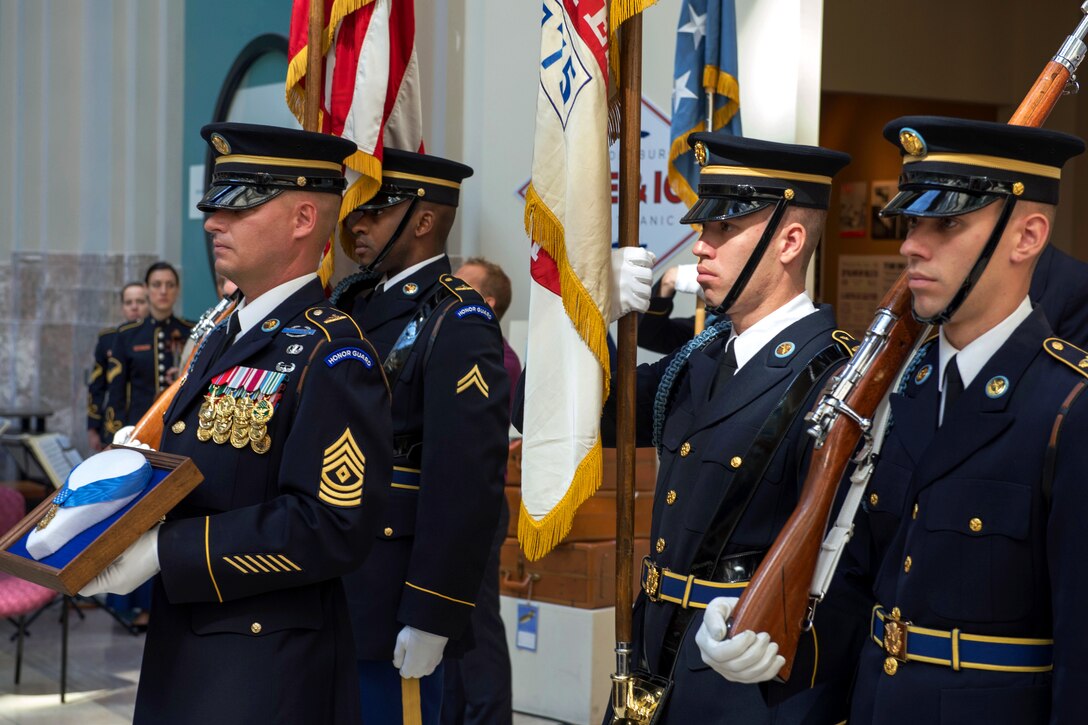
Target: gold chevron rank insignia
x=473, y=378
x=342, y=473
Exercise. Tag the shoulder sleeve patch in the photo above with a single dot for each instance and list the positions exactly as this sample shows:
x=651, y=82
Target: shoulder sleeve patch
x=846, y=341
x=480, y=310
x=1067, y=353
x=349, y=353
x=333, y=322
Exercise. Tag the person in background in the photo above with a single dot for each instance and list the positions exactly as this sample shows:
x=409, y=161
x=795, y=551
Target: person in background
x=133, y=307
x=477, y=688
x=145, y=353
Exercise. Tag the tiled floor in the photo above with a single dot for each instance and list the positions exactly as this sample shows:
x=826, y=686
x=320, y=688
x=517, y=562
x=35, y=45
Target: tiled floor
x=103, y=668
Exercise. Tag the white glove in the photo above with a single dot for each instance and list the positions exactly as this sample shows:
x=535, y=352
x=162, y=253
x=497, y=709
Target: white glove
x=417, y=653
x=746, y=657
x=136, y=565
x=632, y=280
x=123, y=437
x=120, y=438
x=686, y=275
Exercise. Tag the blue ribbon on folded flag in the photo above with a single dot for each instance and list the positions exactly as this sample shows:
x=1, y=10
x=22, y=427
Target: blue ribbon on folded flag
x=108, y=489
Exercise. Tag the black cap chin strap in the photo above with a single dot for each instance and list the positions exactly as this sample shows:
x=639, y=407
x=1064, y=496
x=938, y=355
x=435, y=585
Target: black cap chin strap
x=976, y=270
x=753, y=260
x=372, y=269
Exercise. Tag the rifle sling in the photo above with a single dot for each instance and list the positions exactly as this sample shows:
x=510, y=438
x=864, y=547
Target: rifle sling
x=745, y=483
x=402, y=348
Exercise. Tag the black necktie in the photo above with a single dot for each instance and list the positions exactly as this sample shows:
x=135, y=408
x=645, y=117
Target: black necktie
x=726, y=369
x=953, y=385
x=234, y=326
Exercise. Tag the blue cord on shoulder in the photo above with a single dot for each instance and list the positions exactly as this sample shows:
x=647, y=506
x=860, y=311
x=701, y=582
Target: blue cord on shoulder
x=676, y=366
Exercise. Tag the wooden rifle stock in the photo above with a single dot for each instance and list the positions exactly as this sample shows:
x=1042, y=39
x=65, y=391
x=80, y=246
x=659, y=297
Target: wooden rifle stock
x=776, y=600
x=149, y=428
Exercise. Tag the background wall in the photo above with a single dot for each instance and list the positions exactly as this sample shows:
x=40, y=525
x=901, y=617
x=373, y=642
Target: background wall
x=104, y=100
x=90, y=129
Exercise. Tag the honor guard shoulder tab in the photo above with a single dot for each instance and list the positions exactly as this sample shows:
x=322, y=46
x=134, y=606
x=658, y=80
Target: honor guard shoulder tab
x=1067, y=353
x=847, y=341
x=334, y=323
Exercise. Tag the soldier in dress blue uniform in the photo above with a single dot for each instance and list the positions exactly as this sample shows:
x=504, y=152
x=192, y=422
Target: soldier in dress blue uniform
x=441, y=348
x=285, y=411
x=726, y=412
x=970, y=543
x=145, y=354
x=133, y=307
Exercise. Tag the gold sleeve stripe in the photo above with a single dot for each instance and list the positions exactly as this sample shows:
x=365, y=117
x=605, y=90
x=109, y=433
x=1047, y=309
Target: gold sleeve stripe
x=406, y=470
x=289, y=563
x=231, y=562
x=443, y=596
x=406, y=486
x=267, y=562
x=246, y=564
x=208, y=557
x=256, y=563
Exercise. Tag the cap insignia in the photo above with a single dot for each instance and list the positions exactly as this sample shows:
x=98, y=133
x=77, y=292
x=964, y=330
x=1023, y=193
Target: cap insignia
x=700, y=153
x=220, y=144
x=912, y=142
x=997, y=386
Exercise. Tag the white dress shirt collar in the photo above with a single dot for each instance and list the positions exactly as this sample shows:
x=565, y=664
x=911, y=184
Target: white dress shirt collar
x=405, y=274
x=752, y=340
x=975, y=354
x=250, y=312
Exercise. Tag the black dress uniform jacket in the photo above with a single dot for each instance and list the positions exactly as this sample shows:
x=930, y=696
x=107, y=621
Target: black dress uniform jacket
x=98, y=382
x=702, y=438
x=250, y=623
x=958, y=532
x=1060, y=286
x=141, y=354
x=450, y=421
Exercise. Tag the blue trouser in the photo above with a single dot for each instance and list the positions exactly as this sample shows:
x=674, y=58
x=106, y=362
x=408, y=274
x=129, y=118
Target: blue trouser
x=388, y=699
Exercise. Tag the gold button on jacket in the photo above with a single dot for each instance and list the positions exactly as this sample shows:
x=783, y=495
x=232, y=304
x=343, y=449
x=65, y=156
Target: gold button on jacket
x=255, y=628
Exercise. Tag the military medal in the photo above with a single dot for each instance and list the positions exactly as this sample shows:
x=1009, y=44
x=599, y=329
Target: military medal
x=238, y=406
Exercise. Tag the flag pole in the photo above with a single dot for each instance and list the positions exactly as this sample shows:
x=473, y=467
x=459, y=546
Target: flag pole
x=630, y=83
x=315, y=42
x=700, y=303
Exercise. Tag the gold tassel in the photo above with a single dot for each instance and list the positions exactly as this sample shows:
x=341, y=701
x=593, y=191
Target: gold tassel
x=537, y=538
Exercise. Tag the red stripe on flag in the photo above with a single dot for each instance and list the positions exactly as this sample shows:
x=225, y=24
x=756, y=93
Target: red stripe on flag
x=545, y=271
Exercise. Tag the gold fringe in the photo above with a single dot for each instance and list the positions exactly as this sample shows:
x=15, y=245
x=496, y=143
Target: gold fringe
x=620, y=11
x=328, y=264
x=537, y=538
x=365, y=187
x=721, y=83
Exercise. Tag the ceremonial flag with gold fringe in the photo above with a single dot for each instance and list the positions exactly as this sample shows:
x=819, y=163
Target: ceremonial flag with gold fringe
x=371, y=87
x=568, y=216
x=706, y=62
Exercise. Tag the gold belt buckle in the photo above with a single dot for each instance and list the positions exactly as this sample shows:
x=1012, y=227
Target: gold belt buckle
x=652, y=584
x=895, y=635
